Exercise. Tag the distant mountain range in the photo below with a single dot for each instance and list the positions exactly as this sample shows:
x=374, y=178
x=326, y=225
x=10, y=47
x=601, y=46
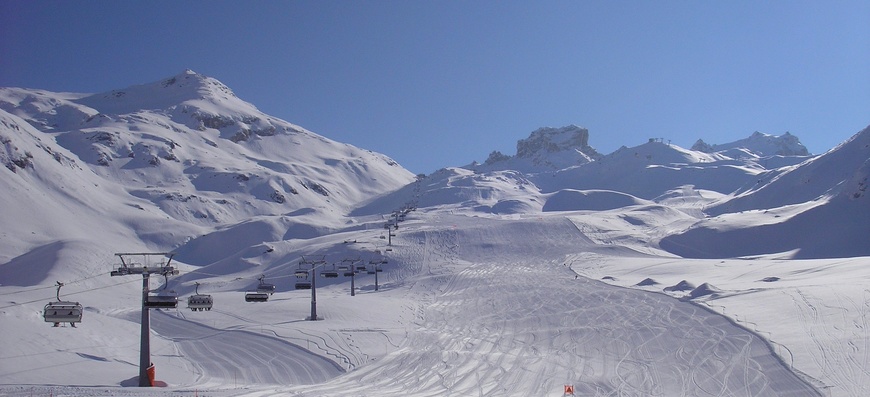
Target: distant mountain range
x=166, y=164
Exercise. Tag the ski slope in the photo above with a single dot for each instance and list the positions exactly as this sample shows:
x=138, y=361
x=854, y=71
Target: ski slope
x=473, y=306
x=219, y=356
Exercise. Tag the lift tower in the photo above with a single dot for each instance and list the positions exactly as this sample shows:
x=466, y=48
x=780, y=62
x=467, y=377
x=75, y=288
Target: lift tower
x=127, y=268
x=313, y=265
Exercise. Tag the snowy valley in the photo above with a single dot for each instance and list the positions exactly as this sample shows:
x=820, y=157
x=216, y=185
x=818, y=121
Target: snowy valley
x=726, y=269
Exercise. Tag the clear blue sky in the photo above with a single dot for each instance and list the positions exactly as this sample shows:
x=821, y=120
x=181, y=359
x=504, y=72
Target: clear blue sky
x=442, y=83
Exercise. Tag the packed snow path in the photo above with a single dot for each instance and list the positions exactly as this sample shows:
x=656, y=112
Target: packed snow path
x=503, y=326
x=242, y=357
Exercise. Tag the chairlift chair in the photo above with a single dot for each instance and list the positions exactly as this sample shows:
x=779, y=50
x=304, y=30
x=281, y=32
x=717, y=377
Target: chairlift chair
x=330, y=273
x=162, y=301
x=199, y=301
x=302, y=285
x=265, y=287
x=62, y=311
x=256, y=296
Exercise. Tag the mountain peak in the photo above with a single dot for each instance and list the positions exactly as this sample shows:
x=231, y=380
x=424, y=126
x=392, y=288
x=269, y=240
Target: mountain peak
x=203, y=85
x=549, y=140
x=164, y=94
x=551, y=148
x=761, y=144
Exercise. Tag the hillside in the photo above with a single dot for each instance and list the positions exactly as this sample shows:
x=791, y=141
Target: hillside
x=183, y=152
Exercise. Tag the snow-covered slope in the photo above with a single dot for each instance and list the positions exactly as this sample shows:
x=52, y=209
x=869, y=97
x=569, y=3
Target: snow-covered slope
x=184, y=150
x=818, y=209
x=747, y=177
x=760, y=144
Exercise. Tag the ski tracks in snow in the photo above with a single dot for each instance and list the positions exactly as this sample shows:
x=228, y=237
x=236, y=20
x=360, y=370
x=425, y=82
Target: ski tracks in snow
x=604, y=340
x=502, y=315
x=243, y=357
x=840, y=345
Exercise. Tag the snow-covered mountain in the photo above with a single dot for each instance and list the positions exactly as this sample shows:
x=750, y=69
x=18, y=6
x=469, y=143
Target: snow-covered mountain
x=555, y=170
x=759, y=144
x=495, y=276
x=546, y=149
x=816, y=209
x=184, y=151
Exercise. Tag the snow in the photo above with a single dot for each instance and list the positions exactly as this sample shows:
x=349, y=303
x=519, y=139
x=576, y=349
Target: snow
x=759, y=144
x=654, y=270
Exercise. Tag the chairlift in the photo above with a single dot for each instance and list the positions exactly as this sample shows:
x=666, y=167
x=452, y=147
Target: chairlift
x=62, y=311
x=199, y=301
x=303, y=285
x=164, y=299
x=265, y=287
x=360, y=268
x=302, y=282
x=349, y=273
x=329, y=273
x=256, y=296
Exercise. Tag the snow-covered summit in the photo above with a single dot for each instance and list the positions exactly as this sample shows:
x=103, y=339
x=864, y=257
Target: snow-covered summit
x=184, y=148
x=186, y=87
x=546, y=149
x=760, y=144
x=550, y=140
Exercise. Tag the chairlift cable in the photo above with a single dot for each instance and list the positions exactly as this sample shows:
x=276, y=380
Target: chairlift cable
x=100, y=273
x=67, y=294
